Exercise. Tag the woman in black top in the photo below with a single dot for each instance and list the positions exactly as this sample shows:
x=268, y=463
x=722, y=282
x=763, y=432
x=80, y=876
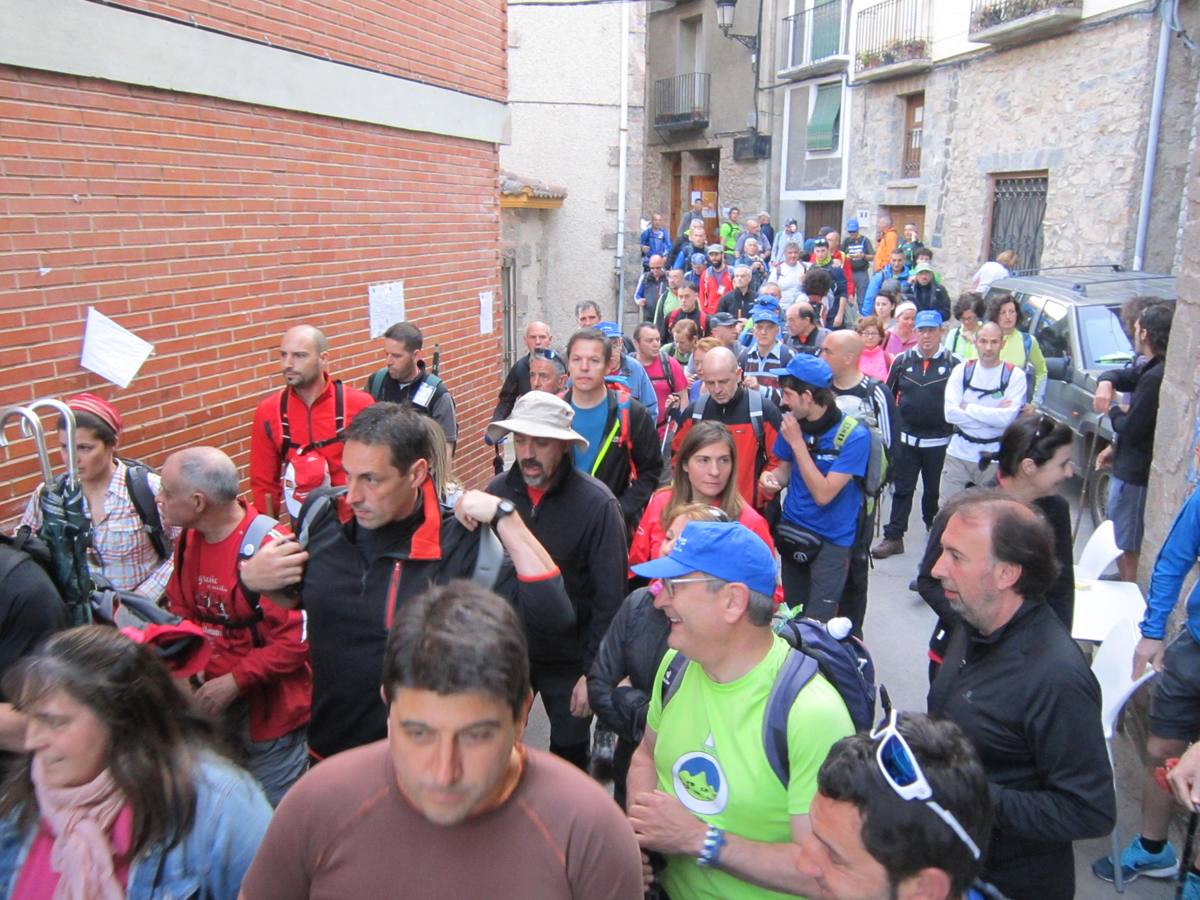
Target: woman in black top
x=1033, y=460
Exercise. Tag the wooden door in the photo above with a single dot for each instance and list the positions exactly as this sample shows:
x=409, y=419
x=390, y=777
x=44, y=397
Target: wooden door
x=820, y=215
x=901, y=215
x=706, y=187
x=676, y=210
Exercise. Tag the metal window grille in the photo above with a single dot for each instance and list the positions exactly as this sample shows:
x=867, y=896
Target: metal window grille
x=681, y=101
x=814, y=33
x=826, y=115
x=1018, y=206
x=914, y=121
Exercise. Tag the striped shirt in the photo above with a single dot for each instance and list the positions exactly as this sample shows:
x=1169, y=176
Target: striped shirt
x=121, y=550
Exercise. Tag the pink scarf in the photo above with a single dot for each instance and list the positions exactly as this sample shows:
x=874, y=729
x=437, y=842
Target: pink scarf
x=80, y=819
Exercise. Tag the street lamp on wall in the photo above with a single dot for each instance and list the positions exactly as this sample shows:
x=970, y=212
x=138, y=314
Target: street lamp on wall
x=725, y=10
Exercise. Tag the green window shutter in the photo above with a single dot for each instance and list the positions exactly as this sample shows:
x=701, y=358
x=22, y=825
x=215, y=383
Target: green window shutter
x=823, y=125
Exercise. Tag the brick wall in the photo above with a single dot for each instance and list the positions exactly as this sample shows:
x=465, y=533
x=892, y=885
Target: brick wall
x=207, y=227
x=456, y=43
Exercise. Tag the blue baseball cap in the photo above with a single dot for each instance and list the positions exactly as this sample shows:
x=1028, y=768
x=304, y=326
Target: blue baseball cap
x=726, y=550
x=698, y=259
x=764, y=314
x=609, y=329
x=766, y=301
x=852, y=225
x=808, y=368
x=929, y=318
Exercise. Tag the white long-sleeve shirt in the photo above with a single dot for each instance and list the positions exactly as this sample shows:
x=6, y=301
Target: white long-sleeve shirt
x=976, y=411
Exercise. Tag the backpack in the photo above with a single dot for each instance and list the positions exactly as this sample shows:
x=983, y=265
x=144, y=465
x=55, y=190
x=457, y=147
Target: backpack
x=843, y=661
x=756, y=416
x=141, y=495
x=873, y=482
x=422, y=399
x=22, y=546
x=665, y=363
x=256, y=532
x=968, y=377
x=618, y=387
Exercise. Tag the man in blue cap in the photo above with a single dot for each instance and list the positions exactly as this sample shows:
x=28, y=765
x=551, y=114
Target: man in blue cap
x=859, y=251
x=822, y=456
x=917, y=380
x=701, y=789
x=625, y=366
x=767, y=352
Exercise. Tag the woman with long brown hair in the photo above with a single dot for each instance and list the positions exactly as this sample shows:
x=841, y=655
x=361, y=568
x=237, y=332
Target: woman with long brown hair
x=121, y=793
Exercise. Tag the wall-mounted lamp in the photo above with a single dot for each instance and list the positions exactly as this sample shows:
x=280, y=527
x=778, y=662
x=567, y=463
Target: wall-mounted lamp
x=725, y=10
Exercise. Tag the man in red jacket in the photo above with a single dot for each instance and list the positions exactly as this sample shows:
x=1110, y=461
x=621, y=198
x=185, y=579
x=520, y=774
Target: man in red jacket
x=717, y=280
x=258, y=681
x=294, y=446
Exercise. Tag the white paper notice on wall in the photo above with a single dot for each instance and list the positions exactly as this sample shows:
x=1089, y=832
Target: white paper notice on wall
x=385, y=303
x=111, y=351
x=485, y=312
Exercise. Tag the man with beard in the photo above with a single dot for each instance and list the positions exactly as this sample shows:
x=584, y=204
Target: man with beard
x=579, y=522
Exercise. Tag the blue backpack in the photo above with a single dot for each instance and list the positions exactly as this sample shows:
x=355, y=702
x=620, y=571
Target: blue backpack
x=845, y=663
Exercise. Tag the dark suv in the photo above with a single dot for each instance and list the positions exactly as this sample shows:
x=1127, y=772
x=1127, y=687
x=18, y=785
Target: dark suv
x=1075, y=316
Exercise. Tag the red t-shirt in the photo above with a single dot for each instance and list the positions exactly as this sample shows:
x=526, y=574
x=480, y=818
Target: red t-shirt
x=37, y=880
x=665, y=384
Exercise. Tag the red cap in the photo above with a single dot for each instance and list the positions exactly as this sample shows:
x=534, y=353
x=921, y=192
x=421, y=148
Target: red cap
x=98, y=407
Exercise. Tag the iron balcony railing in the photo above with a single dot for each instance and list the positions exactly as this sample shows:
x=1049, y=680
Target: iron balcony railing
x=681, y=101
x=990, y=13
x=890, y=32
x=813, y=34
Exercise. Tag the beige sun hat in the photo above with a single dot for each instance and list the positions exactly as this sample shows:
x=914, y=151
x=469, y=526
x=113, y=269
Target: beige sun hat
x=539, y=414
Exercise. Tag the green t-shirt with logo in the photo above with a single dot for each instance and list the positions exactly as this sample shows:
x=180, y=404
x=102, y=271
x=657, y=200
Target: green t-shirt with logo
x=709, y=755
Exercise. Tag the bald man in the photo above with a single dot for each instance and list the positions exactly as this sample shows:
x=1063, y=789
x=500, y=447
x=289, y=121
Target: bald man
x=516, y=383
x=752, y=419
x=294, y=445
x=257, y=682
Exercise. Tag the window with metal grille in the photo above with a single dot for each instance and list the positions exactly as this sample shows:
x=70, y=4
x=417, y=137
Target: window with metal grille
x=914, y=121
x=1018, y=206
x=826, y=115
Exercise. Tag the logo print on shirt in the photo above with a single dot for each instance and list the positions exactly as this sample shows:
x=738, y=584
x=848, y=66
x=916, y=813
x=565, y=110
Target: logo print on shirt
x=699, y=782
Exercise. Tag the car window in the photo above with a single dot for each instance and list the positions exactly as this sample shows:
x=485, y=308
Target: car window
x=1104, y=342
x=1053, y=330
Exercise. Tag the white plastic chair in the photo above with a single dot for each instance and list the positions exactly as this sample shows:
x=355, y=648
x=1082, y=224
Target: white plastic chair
x=1111, y=665
x=1099, y=553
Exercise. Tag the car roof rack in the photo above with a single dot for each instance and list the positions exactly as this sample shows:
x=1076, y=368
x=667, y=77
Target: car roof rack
x=1082, y=286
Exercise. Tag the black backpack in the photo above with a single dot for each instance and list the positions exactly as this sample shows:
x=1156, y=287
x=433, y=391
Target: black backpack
x=141, y=495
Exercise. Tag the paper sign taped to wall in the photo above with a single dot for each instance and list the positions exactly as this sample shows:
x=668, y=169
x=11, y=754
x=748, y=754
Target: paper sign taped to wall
x=385, y=304
x=111, y=351
x=485, y=312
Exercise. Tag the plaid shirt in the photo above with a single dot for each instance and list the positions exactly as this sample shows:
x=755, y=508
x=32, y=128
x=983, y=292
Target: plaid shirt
x=120, y=551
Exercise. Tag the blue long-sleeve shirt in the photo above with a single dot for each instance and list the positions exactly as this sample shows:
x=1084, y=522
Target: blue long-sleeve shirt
x=1175, y=560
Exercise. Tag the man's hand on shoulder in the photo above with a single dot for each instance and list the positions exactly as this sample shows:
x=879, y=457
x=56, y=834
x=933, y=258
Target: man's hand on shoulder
x=275, y=567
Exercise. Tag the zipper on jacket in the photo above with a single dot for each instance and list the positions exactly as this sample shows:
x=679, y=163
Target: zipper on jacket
x=393, y=589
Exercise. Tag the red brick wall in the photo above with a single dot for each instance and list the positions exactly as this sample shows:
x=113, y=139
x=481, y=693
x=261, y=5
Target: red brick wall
x=458, y=44
x=206, y=227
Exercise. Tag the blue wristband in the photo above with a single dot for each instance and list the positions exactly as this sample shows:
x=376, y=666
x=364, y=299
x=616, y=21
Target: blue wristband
x=714, y=840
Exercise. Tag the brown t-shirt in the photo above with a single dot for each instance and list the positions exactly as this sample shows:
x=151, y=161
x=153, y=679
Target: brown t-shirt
x=345, y=832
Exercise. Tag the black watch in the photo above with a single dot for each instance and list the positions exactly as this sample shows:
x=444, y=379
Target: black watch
x=503, y=508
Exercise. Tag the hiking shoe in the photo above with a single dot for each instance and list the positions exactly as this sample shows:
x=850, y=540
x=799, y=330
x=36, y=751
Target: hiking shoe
x=888, y=547
x=1135, y=862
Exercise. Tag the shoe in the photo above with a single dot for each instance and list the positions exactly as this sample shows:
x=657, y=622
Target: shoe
x=1135, y=862
x=888, y=547
x=1191, y=886
x=912, y=586
x=604, y=745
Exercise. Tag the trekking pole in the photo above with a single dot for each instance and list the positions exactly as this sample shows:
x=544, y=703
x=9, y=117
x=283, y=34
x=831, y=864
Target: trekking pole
x=68, y=428
x=1185, y=862
x=1085, y=491
x=31, y=426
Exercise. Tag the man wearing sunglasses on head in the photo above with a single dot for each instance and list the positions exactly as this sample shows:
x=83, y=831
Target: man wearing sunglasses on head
x=702, y=790
x=901, y=812
x=1018, y=686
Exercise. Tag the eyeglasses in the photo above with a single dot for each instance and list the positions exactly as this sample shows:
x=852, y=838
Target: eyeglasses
x=669, y=583
x=902, y=772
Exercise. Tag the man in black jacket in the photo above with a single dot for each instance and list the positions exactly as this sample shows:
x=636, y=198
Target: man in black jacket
x=397, y=540
x=1131, y=454
x=1018, y=686
x=579, y=522
x=516, y=383
x=924, y=292
x=621, y=447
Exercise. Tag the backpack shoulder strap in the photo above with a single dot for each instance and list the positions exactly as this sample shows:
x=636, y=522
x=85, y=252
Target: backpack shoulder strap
x=285, y=427
x=256, y=532
x=665, y=362
x=673, y=677
x=797, y=671
x=315, y=505
x=1027, y=343
x=339, y=406
x=375, y=383
x=754, y=398
x=489, y=559
x=1005, y=376
x=137, y=483
x=968, y=373
x=846, y=426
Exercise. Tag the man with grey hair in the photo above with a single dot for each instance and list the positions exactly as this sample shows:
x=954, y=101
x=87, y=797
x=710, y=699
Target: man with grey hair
x=294, y=443
x=257, y=682
x=702, y=790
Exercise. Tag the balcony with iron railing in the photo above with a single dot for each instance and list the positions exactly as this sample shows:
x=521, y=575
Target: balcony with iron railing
x=812, y=41
x=681, y=102
x=892, y=40
x=1016, y=21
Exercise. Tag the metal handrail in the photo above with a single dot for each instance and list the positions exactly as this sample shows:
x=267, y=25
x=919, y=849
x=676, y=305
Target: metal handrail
x=890, y=32
x=990, y=13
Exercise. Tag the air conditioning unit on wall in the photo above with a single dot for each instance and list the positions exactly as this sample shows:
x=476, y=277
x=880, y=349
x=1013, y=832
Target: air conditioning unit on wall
x=756, y=146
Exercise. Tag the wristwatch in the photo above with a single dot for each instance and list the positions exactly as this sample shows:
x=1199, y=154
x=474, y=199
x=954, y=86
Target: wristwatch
x=503, y=508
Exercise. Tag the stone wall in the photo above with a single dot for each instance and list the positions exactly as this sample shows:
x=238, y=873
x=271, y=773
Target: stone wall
x=1077, y=111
